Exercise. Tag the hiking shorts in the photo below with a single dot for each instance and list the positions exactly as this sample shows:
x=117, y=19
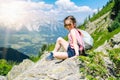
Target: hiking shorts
x=70, y=51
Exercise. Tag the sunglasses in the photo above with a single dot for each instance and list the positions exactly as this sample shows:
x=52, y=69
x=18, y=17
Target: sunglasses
x=67, y=25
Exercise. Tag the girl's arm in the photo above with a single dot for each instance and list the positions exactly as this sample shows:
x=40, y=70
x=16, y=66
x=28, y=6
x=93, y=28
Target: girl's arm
x=75, y=45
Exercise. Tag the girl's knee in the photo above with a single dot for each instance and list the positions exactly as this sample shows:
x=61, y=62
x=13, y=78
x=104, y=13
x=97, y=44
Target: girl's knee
x=54, y=54
x=59, y=39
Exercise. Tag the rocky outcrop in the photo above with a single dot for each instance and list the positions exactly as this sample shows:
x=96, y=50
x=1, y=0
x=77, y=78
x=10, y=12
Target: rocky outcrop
x=3, y=78
x=115, y=41
x=111, y=44
x=46, y=70
x=19, y=69
x=103, y=22
x=57, y=69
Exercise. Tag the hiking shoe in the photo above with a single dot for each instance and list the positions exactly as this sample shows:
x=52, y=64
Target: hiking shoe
x=50, y=57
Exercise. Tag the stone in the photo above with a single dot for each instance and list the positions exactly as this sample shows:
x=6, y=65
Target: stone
x=48, y=70
x=115, y=42
x=3, y=78
x=18, y=69
x=92, y=26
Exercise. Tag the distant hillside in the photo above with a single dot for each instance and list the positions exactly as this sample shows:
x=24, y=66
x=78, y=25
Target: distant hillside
x=12, y=55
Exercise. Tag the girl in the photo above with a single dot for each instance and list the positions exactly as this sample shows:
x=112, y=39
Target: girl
x=72, y=48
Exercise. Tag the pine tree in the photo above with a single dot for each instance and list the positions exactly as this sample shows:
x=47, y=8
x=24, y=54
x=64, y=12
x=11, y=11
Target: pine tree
x=116, y=8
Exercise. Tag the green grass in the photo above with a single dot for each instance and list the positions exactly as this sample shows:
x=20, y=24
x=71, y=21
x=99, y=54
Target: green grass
x=82, y=26
x=101, y=36
x=6, y=66
x=115, y=57
x=34, y=58
x=50, y=47
x=94, y=66
x=115, y=24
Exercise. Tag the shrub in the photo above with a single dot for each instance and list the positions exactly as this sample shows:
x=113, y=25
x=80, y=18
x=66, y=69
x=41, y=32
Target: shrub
x=114, y=26
x=43, y=48
x=50, y=47
x=115, y=57
x=5, y=67
x=101, y=36
x=34, y=58
x=94, y=66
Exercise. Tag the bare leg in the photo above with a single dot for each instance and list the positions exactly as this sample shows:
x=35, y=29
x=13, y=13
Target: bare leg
x=60, y=55
x=60, y=43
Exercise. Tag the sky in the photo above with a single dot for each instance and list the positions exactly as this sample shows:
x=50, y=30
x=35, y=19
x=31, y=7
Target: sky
x=34, y=14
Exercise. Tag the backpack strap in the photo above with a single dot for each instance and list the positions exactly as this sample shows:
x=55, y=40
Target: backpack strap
x=79, y=37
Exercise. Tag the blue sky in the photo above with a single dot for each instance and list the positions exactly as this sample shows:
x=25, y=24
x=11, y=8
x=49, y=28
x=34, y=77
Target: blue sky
x=94, y=5
x=90, y=3
x=37, y=13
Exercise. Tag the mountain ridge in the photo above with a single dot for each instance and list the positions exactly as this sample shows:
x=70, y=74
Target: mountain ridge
x=11, y=54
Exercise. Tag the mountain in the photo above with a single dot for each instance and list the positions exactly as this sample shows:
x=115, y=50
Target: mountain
x=10, y=54
x=30, y=42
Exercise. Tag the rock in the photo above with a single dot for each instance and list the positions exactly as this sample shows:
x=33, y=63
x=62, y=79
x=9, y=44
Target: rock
x=116, y=41
x=90, y=27
x=113, y=43
x=18, y=69
x=103, y=48
x=48, y=70
x=102, y=21
x=57, y=69
x=3, y=78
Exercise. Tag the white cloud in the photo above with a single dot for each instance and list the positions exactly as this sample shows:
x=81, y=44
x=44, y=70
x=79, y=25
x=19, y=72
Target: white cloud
x=32, y=15
x=24, y=13
x=67, y=5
